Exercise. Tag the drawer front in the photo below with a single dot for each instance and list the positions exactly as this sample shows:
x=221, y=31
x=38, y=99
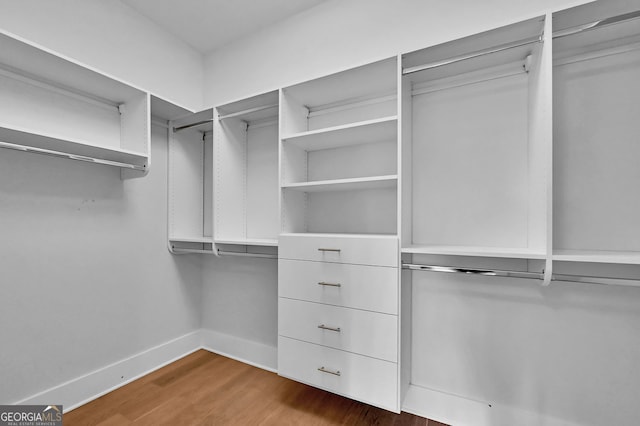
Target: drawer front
x=373, y=288
x=362, y=250
x=367, y=333
x=366, y=379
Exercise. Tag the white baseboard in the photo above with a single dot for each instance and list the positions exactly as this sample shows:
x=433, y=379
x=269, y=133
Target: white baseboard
x=247, y=351
x=458, y=411
x=76, y=392
x=86, y=388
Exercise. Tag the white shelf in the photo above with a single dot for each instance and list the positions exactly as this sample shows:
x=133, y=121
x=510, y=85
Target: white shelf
x=256, y=108
x=38, y=141
x=369, y=131
x=264, y=242
x=207, y=240
x=361, y=82
x=336, y=235
x=597, y=256
x=503, y=252
x=353, y=184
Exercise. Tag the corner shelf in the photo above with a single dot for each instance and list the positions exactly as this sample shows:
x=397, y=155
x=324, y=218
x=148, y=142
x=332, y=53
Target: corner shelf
x=55, y=106
x=353, y=184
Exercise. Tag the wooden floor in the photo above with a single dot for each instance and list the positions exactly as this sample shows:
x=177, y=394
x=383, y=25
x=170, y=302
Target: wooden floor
x=208, y=389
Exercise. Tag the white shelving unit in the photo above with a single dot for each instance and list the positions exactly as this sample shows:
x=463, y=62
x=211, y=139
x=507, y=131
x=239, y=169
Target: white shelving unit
x=476, y=142
x=191, y=183
x=53, y=105
x=596, y=127
x=329, y=127
x=339, y=186
x=246, y=173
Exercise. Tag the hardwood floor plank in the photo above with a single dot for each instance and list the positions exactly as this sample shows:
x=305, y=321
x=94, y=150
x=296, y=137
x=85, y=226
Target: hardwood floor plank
x=208, y=389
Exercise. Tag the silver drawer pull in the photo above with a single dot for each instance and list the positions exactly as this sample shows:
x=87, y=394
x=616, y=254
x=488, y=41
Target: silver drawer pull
x=330, y=284
x=324, y=327
x=329, y=249
x=324, y=370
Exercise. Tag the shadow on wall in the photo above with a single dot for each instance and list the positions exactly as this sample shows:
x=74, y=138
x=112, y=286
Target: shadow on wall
x=39, y=180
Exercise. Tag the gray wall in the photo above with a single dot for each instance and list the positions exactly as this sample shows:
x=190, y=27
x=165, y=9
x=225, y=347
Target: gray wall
x=86, y=278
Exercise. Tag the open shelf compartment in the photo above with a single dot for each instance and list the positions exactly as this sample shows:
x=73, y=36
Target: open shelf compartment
x=55, y=106
x=191, y=183
x=246, y=172
x=596, y=127
x=476, y=139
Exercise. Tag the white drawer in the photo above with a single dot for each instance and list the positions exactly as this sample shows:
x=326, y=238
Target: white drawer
x=363, y=332
x=377, y=250
x=366, y=379
x=373, y=288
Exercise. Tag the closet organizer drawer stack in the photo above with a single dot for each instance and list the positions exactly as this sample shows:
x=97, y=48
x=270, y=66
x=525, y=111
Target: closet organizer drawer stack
x=338, y=314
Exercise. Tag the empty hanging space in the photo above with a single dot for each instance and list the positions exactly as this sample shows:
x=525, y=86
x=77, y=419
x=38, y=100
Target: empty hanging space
x=246, y=178
x=475, y=145
x=339, y=152
x=51, y=105
x=191, y=183
x=596, y=135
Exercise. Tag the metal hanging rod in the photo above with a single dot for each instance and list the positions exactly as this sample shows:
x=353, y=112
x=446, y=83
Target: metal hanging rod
x=597, y=24
x=186, y=251
x=473, y=271
x=246, y=254
x=188, y=126
x=628, y=282
x=496, y=49
x=60, y=154
x=247, y=111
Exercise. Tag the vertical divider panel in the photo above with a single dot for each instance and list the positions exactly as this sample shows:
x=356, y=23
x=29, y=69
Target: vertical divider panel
x=540, y=144
x=208, y=192
x=404, y=230
x=230, y=183
x=135, y=130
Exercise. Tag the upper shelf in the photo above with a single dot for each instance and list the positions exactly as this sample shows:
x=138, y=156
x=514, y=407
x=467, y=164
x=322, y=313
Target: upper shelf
x=370, y=131
x=251, y=110
x=23, y=140
x=593, y=28
x=356, y=83
x=505, y=45
x=52, y=105
x=352, y=184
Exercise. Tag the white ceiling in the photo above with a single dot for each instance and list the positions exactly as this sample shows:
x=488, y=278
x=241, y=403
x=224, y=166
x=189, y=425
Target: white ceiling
x=209, y=24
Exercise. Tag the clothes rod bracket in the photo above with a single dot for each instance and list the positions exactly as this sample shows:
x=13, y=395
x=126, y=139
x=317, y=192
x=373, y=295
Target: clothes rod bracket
x=246, y=254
